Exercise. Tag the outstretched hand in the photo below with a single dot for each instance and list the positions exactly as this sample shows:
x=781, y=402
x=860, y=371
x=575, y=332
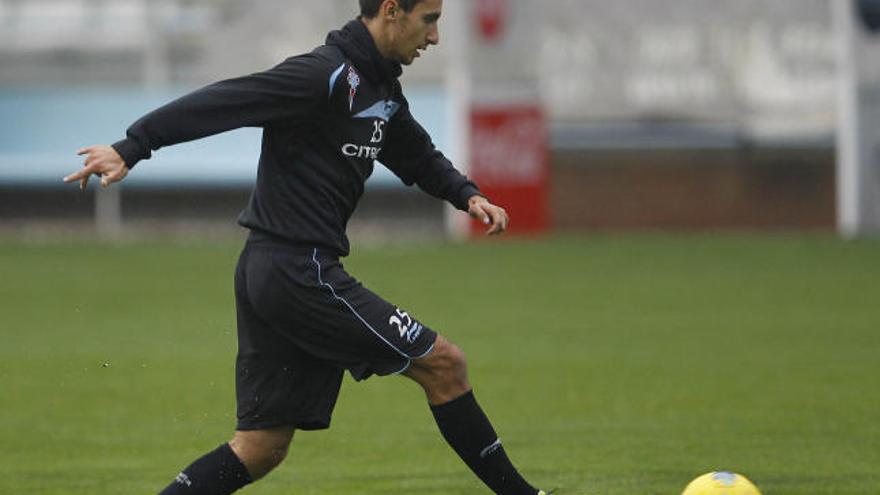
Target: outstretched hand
x=481, y=209
x=102, y=161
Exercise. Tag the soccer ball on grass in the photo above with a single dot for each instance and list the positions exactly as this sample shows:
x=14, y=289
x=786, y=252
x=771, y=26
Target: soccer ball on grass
x=721, y=483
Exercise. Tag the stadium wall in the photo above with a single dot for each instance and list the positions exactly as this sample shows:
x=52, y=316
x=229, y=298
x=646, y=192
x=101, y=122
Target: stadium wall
x=685, y=189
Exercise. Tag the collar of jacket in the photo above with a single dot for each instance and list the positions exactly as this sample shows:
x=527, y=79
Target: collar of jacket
x=356, y=42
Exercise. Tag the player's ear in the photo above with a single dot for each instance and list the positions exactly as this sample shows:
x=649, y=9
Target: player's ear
x=390, y=10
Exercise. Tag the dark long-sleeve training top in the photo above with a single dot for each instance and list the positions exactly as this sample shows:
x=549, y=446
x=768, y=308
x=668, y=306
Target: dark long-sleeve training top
x=326, y=116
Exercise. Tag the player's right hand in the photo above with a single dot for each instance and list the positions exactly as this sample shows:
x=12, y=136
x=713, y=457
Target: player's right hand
x=494, y=216
x=102, y=161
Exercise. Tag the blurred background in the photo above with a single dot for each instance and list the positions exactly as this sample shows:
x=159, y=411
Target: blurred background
x=680, y=114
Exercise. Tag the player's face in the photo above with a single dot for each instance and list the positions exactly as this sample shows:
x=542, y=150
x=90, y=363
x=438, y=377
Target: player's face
x=416, y=30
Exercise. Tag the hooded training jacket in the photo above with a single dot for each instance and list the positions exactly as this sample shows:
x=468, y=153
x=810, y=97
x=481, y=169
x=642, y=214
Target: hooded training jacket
x=326, y=116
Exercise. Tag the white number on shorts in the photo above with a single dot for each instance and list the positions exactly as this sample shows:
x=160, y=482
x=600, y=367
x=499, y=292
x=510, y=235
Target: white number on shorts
x=398, y=321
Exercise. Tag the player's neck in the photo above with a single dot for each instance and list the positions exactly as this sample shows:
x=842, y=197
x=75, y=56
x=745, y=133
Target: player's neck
x=379, y=33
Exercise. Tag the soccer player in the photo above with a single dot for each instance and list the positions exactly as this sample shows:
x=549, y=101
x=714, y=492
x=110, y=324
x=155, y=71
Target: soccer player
x=302, y=320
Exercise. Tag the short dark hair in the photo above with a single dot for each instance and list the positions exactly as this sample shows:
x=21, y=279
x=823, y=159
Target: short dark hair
x=370, y=8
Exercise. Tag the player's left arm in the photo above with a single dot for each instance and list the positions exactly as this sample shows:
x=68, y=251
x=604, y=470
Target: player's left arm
x=409, y=152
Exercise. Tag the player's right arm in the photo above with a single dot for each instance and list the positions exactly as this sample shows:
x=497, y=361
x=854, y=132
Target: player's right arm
x=291, y=92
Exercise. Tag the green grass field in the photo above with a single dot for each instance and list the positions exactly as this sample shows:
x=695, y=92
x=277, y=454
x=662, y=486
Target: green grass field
x=610, y=365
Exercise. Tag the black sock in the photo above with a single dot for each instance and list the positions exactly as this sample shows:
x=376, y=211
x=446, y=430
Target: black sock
x=468, y=431
x=220, y=472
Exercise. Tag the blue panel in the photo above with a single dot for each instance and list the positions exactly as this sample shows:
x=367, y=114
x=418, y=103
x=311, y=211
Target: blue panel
x=333, y=78
x=40, y=131
x=381, y=110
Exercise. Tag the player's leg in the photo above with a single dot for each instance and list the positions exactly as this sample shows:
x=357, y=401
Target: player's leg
x=249, y=456
x=464, y=425
x=261, y=451
x=279, y=388
x=335, y=319
x=442, y=373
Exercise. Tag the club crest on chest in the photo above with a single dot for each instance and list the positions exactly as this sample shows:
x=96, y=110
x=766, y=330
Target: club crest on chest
x=354, y=80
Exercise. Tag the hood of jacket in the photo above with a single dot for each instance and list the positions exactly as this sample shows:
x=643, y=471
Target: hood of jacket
x=356, y=42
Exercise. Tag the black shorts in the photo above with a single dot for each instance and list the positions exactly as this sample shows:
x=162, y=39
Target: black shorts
x=302, y=321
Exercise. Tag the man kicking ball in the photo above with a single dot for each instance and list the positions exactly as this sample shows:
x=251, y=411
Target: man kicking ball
x=302, y=320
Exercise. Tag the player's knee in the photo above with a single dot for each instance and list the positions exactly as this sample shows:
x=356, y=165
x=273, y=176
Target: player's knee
x=262, y=460
x=273, y=456
x=261, y=451
x=457, y=362
x=449, y=365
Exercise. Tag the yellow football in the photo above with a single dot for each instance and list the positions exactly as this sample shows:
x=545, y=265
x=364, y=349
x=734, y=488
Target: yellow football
x=721, y=483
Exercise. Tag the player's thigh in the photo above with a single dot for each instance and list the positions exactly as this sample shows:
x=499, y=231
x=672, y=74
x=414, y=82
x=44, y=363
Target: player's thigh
x=278, y=383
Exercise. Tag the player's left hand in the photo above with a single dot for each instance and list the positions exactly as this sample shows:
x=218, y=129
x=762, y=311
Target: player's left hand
x=481, y=209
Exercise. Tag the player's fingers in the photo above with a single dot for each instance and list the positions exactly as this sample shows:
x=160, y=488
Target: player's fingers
x=480, y=214
x=499, y=221
x=83, y=172
x=85, y=151
x=505, y=220
x=497, y=225
x=98, y=165
x=113, y=176
x=82, y=176
x=78, y=175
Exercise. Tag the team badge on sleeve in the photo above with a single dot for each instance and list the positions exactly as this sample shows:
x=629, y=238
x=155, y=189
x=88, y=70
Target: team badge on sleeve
x=353, y=82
